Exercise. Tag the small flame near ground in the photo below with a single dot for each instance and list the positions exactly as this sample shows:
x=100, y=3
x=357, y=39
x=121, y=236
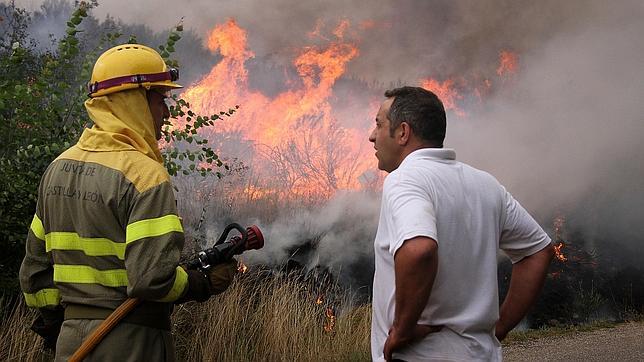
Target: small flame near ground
x=329, y=314
x=575, y=259
x=241, y=267
x=558, y=223
x=558, y=253
x=329, y=324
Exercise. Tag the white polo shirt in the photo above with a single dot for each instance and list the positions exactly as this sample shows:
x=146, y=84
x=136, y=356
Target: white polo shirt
x=471, y=216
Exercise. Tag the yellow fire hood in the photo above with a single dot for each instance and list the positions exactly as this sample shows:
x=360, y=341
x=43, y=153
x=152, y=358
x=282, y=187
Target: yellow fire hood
x=122, y=121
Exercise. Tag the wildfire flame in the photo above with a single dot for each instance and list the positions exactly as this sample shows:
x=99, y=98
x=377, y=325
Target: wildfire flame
x=329, y=324
x=508, y=63
x=294, y=128
x=319, y=300
x=300, y=144
x=558, y=253
x=446, y=92
x=558, y=223
x=241, y=267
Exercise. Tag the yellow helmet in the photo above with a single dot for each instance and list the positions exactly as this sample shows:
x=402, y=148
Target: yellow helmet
x=130, y=66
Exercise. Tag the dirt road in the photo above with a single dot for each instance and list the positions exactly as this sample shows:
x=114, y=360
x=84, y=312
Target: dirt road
x=624, y=342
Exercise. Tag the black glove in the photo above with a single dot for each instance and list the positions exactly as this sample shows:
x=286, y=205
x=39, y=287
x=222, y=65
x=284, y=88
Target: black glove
x=222, y=275
x=201, y=286
x=48, y=324
x=198, y=287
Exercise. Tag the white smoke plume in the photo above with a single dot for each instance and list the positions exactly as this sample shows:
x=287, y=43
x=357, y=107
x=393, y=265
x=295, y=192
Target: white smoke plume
x=342, y=229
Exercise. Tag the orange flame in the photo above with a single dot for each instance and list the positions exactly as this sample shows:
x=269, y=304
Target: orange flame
x=329, y=324
x=294, y=126
x=300, y=145
x=508, y=63
x=341, y=29
x=446, y=92
x=319, y=300
x=558, y=253
x=241, y=267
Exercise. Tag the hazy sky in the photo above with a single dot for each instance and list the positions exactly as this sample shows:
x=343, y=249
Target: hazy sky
x=404, y=39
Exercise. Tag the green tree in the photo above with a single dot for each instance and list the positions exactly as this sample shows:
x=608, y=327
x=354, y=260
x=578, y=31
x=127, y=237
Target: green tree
x=42, y=114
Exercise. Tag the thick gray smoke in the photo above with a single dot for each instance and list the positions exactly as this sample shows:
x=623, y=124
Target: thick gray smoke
x=564, y=134
x=567, y=136
x=338, y=236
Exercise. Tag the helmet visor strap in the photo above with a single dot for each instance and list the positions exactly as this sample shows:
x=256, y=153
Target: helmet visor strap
x=172, y=75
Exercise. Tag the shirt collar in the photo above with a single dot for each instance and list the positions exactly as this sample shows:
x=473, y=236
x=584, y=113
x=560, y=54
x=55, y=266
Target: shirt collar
x=430, y=153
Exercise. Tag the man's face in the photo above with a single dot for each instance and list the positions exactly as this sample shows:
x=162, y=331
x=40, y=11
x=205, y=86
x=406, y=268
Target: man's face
x=159, y=110
x=388, y=150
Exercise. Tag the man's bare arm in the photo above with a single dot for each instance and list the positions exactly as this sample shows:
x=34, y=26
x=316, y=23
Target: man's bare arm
x=415, y=264
x=526, y=282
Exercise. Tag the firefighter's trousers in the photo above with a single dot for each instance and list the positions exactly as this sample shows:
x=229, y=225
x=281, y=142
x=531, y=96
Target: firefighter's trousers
x=126, y=342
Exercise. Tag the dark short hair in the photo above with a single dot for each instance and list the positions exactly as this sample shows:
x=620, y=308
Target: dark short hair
x=422, y=110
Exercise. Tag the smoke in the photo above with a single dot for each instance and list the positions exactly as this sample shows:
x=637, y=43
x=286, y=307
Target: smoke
x=336, y=235
x=398, y=40
x=563, y=134
x=48, y=22
x=566, y=136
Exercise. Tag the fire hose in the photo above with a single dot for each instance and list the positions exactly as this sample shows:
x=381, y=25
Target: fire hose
x=251, y=238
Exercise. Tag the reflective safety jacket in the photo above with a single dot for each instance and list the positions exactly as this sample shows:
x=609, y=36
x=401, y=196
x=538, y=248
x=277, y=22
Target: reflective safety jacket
x=106, y=226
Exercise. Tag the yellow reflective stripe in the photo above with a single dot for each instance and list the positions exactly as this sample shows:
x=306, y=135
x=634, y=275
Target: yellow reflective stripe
x=87, y=275
x=180, y=283
x=152, y=227
x=43, y=298
x=90, y=246
x=37, y=228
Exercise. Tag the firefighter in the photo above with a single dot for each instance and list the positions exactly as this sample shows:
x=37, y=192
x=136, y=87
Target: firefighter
x=106, y=226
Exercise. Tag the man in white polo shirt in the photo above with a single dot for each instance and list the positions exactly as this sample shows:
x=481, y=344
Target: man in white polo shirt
x=442, y=222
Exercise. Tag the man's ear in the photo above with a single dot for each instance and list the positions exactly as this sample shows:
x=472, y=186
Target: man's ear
x=403, y=133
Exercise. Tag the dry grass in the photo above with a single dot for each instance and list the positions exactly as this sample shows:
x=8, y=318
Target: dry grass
x=17, y=341
x=269, y=318
x=262, y=317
